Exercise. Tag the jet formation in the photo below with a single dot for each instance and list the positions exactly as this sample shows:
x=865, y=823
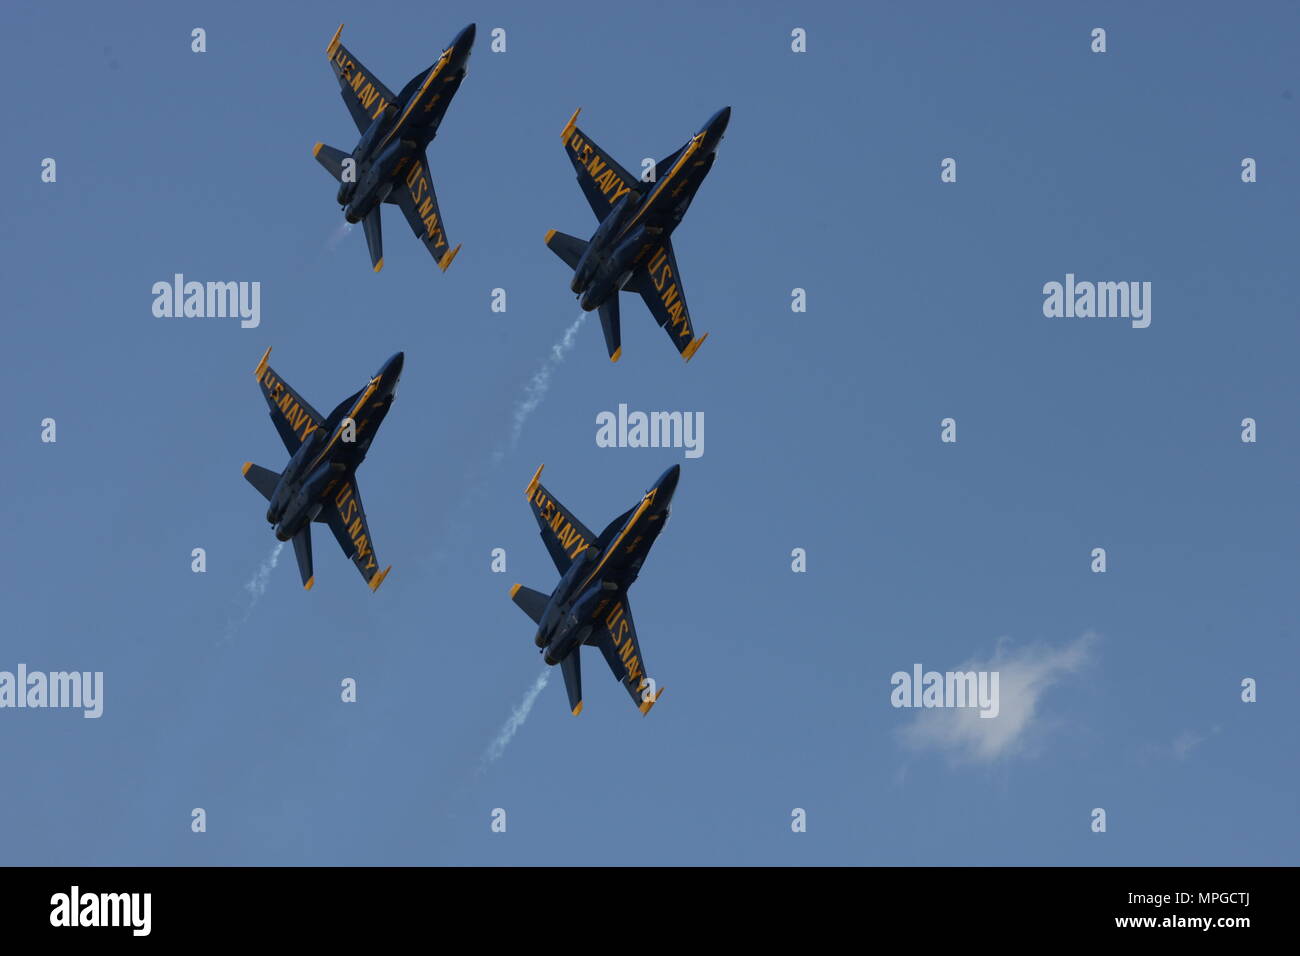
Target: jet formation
x=589, y=606
x=632, y=247
x=389, y=163
x=320, y=482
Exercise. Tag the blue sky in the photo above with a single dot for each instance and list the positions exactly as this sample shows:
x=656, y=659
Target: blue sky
x=822, y=432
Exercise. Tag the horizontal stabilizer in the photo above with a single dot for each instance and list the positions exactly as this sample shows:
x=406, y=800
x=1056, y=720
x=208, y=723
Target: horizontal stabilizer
x=263, y=479
x=569, y=248
x=331, y=159
x=533, y=603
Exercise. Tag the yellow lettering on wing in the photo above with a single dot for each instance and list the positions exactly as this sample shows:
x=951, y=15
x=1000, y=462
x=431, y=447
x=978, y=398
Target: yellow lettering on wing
x=571, y=540
x=670, y=295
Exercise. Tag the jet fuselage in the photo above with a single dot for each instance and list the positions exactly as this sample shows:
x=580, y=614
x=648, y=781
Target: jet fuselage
x=639, y=223
x=595, y=578
x=332, y=453
x=401, y=132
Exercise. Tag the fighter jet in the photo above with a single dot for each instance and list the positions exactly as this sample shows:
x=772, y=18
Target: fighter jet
x=589, y=605
x=632, y=249
x=320, y=481
x=388, y=164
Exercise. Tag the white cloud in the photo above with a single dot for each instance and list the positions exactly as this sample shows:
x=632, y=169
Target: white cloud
x=1186, y=742
x=1026, y=674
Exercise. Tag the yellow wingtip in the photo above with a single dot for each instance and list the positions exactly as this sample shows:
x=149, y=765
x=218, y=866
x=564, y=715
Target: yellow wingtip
x=645, y=707
x=693, y=347
x=445, y=261
x=315, y=150
x=618, y=354
x=261, y=365
x=310, y=581
x=378, y=579
x=550, y=233
x=380, y=264
x=568, y=127
x=577, y=710
x=532, y=484
x=334, y=41
x=515, y=590
x=247, y=465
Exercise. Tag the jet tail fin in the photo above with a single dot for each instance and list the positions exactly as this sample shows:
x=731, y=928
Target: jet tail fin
x=263, y=479
x=331, y=159
x=533, y=603
x=572, y=667
x=609, y=325
x=569, y=248
x=302, y=551
x=374, y=238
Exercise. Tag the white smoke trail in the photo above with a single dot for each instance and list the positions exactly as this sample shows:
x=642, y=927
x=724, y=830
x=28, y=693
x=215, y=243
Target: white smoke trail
x=256, y=585
x=342, y=232
x=498, y=746
x=538, y=386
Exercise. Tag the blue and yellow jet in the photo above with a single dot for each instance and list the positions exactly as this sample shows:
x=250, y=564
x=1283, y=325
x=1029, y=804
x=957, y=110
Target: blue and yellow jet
x=388, y=164
x=632, y=248
x=320, y=481
x=589, y=605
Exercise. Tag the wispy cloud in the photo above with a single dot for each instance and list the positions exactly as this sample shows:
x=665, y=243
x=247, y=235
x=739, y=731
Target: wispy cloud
x=516, y=720
x=1026, y=674
x=1186, y=742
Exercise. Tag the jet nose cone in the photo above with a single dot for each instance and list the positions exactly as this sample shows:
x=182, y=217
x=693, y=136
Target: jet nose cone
x=720, y=119
x=667, y=484
x=393, y=367
x=465, y=39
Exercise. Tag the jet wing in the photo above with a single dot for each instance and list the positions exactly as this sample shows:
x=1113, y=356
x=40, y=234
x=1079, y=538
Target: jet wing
x=615, y=635
x=659, y=283
x=361, y=90
x=294, y=418
x=564, y=535
x=414, y=194
x=603, y=181
x=346, y=517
